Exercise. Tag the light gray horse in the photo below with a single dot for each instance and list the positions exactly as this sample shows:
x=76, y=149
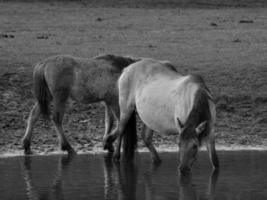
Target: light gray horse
x=59, y=78
x=169, y=103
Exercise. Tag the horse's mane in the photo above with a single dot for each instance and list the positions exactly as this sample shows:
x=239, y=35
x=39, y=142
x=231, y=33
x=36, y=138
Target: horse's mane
x=200, y=111
x=119, y=62
x=169, y=65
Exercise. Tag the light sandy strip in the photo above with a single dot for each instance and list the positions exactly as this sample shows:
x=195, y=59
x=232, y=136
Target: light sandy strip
x=161, y=148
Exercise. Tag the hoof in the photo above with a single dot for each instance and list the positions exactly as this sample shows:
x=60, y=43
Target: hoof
x=68, y=148
x=110, y=148
x=72, y=152
x=26, y=146
x=108, y=141
x=28, y=151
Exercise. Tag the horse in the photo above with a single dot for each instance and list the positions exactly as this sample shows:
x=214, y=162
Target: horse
x=168, y=103
x=60, y=78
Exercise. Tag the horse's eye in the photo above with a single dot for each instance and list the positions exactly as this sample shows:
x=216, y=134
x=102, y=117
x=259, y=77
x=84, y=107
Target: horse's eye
x=194, y=146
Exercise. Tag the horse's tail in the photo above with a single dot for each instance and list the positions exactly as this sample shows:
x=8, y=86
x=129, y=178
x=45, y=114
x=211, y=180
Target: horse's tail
x=130, y=138
x=41, y=90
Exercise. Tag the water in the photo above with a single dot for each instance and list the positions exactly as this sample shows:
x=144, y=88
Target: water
x=243, y=175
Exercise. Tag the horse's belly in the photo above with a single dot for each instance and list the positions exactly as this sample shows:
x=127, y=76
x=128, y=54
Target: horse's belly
x=83, y=95
x=93, y=86
x=159, y=123
x=157, y=113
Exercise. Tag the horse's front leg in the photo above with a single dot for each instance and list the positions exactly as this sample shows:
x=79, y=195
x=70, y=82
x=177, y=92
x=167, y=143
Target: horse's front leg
x=109, y=121
x=108, y=141
x=147, y=135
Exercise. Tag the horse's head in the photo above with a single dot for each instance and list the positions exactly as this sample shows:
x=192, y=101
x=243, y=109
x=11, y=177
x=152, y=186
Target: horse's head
x=189, y=144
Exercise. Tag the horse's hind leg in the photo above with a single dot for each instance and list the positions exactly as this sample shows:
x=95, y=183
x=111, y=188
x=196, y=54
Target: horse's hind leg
x=58, y=114
x=124, y=118
x=212, y=152
x=147, y=135
x=33, y=117
x=112, y=136
x=109, y=120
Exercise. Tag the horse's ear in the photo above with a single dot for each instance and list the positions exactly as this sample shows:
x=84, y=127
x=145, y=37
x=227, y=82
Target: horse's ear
x=201, y=127
x=180, y=123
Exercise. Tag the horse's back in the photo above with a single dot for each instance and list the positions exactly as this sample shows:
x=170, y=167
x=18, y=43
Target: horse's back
x=82, y=79
x=144, y=71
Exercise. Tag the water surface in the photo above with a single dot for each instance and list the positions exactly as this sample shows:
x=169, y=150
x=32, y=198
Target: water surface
x=243, y=175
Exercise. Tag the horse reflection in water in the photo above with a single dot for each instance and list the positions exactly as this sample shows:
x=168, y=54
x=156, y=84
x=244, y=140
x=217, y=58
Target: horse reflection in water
x=56, y=189
x=187, y=190
x=125, y=175
x=121, y=183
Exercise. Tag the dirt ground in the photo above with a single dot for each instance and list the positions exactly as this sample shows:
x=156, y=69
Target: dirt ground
x=226, y=44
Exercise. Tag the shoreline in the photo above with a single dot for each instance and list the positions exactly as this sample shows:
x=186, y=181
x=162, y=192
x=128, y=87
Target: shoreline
x=160, y=149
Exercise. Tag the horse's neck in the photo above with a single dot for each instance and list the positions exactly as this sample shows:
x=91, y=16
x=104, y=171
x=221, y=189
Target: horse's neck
x=185, y=98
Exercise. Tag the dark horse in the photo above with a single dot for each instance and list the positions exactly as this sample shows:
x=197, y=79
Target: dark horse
x=169, y=103
x=59, y=78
